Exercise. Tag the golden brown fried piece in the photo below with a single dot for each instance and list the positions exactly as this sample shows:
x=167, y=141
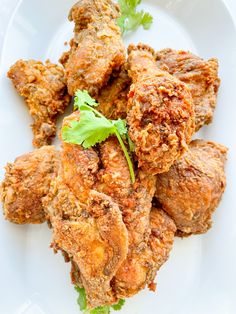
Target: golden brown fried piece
x=44, y=89
x=93, y=235
x=26, y=182
x=192, y=189
x=97, y=49
x=87, y=224
x=147, y=251
x=160, y=112
x=140, y=270
x=113, y=97
x=201, y=77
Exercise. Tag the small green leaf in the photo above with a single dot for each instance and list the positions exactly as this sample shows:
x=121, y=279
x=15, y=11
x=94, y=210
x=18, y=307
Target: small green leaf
x=81, y=300
x=88, y=131
x=147, y=20
x=130, y=18
x=119, y=305
x=121, y=126
x=82, y=98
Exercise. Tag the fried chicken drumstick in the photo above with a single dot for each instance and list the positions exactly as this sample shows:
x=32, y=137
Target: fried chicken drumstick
x=44, y=88
x=193, y=187
x=96, y=49
x=160, y=112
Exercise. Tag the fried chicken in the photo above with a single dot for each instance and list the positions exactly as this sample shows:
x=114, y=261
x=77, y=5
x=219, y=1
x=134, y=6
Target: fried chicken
x=26, y=182
x=147, y=250
x=92, y=234
x=201, y=77
x=87, y=224
x=193, y=187
x=44, y=89
x=113, y=97
x=138, y=272
x=160, y=112
x=96, y=49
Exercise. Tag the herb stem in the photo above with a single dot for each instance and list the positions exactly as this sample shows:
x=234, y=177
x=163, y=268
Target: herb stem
x=129, y=162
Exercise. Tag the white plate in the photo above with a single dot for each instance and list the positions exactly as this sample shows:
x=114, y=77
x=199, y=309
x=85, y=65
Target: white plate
x=200, y=276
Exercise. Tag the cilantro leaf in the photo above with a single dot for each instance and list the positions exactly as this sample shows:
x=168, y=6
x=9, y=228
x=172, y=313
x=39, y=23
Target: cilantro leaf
x=81, y=300
x=119, y=305
x=121, y=126
x=89, y=131
x=147, y=20
x=130, y=18
x=82, y=98
x=93, y=128
x=98, y=310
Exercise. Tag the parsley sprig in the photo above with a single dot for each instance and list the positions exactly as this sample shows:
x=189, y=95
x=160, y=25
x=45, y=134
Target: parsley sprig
x=81, y=300
x=94, y=128
x=130, y=18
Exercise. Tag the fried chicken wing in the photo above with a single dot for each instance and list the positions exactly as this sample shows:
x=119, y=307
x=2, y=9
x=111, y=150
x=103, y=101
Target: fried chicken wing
x=26, y=182
x=113, y=97
x=44, y=89
x=96, y=49
x=201, y=77
x=193, y=187
x=160, y=112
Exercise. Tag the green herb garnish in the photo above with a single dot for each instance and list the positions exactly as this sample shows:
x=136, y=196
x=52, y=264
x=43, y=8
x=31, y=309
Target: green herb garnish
x=130, y=19
x=94, y=128
x=98, y=310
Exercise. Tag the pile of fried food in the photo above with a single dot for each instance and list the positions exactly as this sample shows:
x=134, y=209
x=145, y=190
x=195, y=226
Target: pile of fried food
x=117, y=234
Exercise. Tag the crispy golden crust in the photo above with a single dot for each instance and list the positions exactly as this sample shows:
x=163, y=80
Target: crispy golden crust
x=94, y=237
x=146, y=251
x=140, y=269
x=160, y=112
x=192, y=189
x=201, y=77
x=97, y=49
x=87, y=224
x=26, y=182
x=113, y=97
x=44, y=89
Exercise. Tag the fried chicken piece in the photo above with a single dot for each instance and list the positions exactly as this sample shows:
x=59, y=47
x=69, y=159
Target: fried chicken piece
x=193, y=187
x=113, y=98
x=87, y=224
x=94, y=236
x=160, y=112
x=44, y=89
x=97, y=49
x=147, y=250
x=26, y=182
x=140, y=270
x=201, y=77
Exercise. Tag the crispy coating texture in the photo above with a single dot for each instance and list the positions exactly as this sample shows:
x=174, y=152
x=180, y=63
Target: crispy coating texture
x=201, y=77
x=26, y=182
x=113, y=97
x=96, y=49
x=160, y=112
x=44, y=88
x=140, y=270
x=147, y=250
x=193, y=187
x=87, y=223
x=93, y=235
